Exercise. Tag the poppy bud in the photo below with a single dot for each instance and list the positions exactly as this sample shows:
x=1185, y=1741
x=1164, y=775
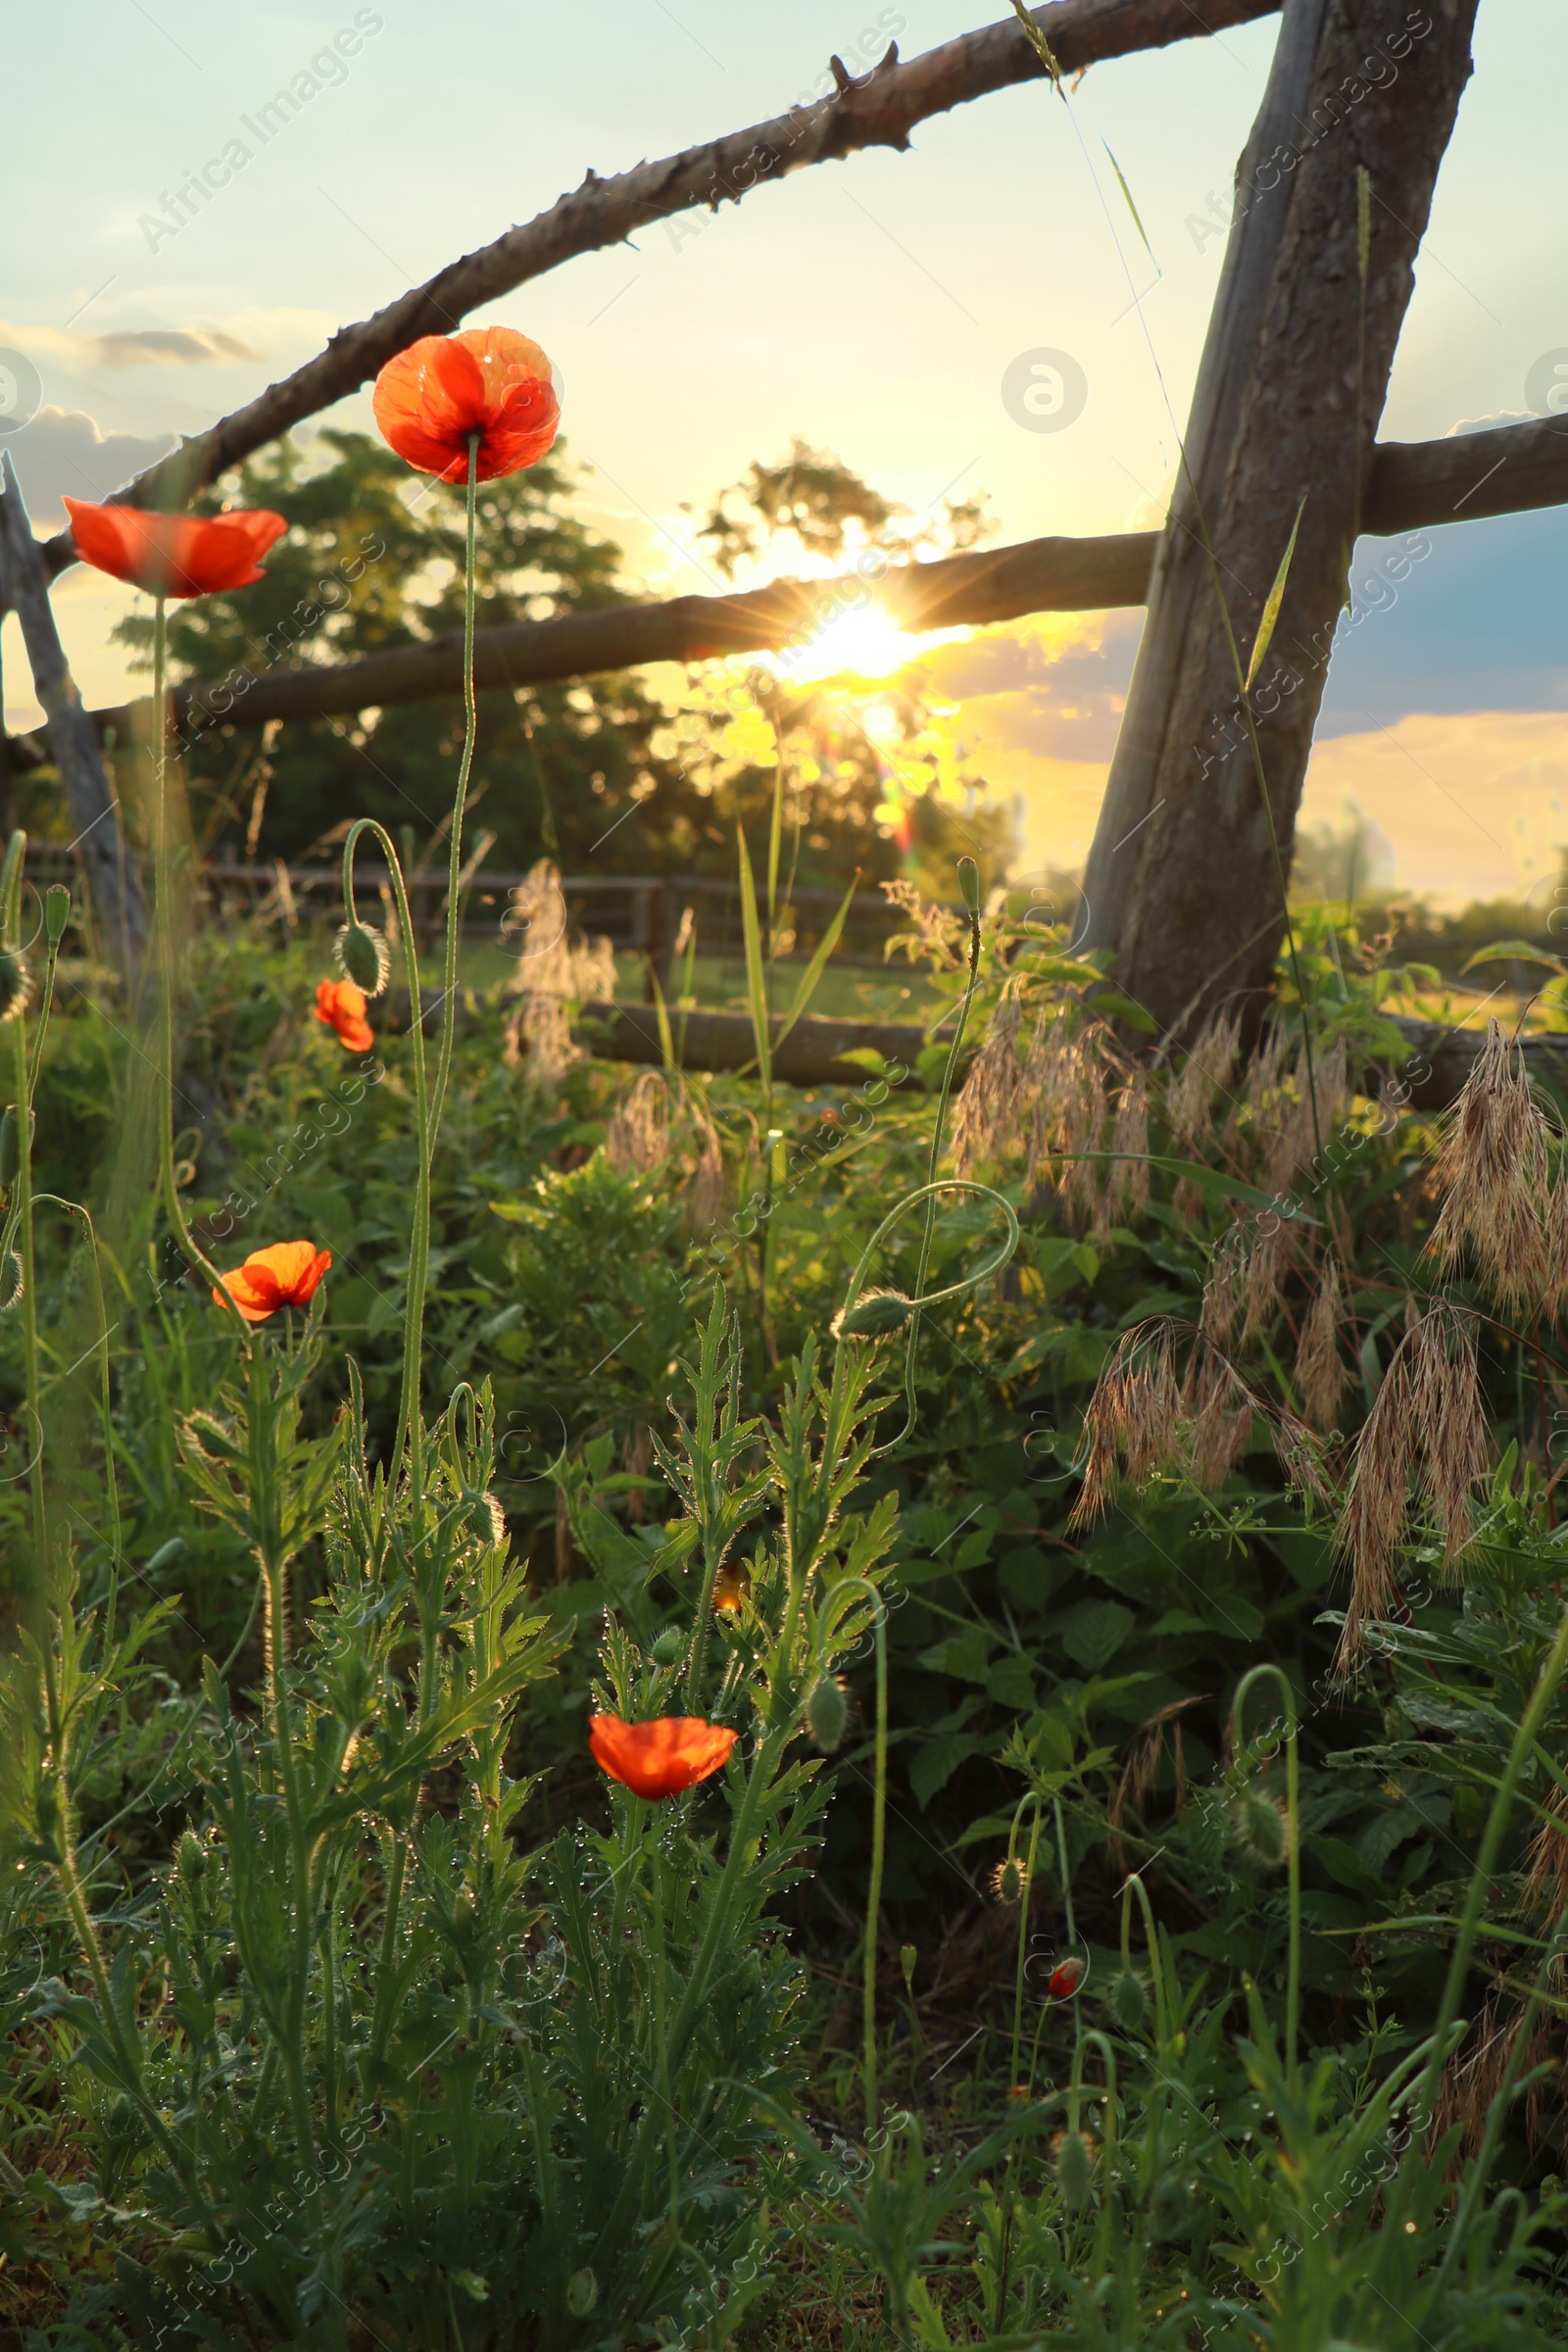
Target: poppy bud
x=670, y=1646
x=14, y=982
x=191, y=1859
x=827, y=1712
x=874, y=1316
x=56, y=913
x=907, y=1957
x=1129, y=2003
x=1075, y=2169
x=486, y=1519
x=363, y=957
x=969, y=884
x=582, y=2293
x=1170, y=2207
x=1064, y=1980
x=1260, y=1827
x=11, y=1279
x=1009, y=1882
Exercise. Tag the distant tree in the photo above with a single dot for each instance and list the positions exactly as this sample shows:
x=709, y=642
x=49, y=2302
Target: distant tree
x=597, y=773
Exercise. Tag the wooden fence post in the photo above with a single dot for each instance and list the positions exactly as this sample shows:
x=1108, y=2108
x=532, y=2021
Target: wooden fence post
x=113, y=884
x=1359, y=108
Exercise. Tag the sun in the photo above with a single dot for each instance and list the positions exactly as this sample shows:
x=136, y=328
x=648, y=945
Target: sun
x=867, y=643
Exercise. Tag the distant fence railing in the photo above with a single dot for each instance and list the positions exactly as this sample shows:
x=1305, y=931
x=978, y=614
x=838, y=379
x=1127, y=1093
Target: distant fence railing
x=640, y=915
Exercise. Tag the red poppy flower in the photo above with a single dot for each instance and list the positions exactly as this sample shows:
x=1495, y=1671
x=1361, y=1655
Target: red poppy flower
x=1064, y=1980
x=341, y=1005
x=174, y=555
x=285, y=1274
x=659, y=1758
x=490, y=380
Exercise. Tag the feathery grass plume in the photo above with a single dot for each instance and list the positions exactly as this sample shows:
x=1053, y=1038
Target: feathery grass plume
x=1267, y=1262
x=1427, y=1428
x=1218, y=1409
x=1297, y=1134
x=1320, y=1371
x=982, y=1119
x=1133, y=1419
x=1206, y=1071
x=940, y=936
x=1491, y=1160
x=552, y=971
x=704, y=1199
x=1546, y=1889
x=1137, y=1778
x=1225, y=1290
x=1300, y=1457
x=1127, y=1180
x=637, y=1138
x=1063, y=1084
x=1470, y=2083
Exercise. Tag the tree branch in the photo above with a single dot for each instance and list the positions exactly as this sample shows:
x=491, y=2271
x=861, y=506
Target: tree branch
x=879, y=110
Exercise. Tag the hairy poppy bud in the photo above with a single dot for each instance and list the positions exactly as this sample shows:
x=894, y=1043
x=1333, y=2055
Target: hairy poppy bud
x=1129, y=2003
x=14, y=982
x=486, y=1519
x=582, y=2293
x=969, y=884
x=907, y=1957
x=191, y=1859
x=56, y=913
x=1170, y=2207
x=1010, y=1880
x=365, y=957
x=1260, y=1827
x=874, y=1315
x=1075, y=2169
x=827, y=1712
x=670, y=1646
x=1064, y=1980
x=11, y=1280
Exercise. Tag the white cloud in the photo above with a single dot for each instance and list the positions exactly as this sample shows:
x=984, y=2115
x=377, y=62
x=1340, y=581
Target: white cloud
x=136, y=346
x=62, y=449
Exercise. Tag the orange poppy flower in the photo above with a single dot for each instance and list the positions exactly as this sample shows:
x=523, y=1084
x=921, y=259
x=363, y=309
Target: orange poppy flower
x=659, y=1758
x=285, y=1274
x=341, y=1005
x=490, y=380
x=174, y=555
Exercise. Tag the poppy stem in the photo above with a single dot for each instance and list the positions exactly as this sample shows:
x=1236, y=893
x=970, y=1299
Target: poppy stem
x=449, y=998
x=874, y=1898
x=164, y=929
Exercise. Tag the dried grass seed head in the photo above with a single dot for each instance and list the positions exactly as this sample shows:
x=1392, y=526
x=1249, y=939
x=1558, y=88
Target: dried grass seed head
x=1492, y=1162
x=1320, y=1372
x=1133, y=1420
x=637, y=1138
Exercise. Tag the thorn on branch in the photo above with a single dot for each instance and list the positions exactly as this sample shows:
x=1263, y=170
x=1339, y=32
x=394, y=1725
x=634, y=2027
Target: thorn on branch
x=847, y=81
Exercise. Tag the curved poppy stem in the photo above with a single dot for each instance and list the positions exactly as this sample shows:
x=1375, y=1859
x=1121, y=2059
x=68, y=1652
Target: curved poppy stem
x=411, y=1428
x=165, y=933
x=449, y=999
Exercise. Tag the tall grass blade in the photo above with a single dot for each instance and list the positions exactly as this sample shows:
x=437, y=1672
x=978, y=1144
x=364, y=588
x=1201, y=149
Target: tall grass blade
x=1276, y=598
x=819, y=963
x=756, y=976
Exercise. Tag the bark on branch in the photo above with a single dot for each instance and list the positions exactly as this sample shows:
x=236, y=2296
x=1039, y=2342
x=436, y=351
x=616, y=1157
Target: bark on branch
x=879, y=110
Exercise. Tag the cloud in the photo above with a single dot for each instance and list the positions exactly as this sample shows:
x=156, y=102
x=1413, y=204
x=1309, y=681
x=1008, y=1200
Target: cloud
x=1058, y=695
x=63, y=450
x=135, y=347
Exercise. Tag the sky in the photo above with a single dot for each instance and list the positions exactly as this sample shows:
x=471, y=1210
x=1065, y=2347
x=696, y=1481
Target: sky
x=874, y=306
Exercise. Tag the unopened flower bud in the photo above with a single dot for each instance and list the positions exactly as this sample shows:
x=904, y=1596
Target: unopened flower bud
x=827, y=1713
x=11, y=1281
x=582, y=2293
x=670, y=1646
x=1129, y=2003
x=363, y=956
x=1075, y=2169
x=969, y=884
x=1009, y=1882
x=1260, y=1827
x=1064, y=1980
x=874, y=1316
x=56, y=913
x=191, y=1859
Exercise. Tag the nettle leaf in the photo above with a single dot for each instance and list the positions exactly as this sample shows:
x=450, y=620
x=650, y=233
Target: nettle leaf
x=938, y=1760
x=1094, y=1632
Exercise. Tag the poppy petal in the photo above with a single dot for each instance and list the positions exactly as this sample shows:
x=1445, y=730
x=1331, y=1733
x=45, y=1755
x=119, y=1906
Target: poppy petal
x=174, y=555
x=661, y=1758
